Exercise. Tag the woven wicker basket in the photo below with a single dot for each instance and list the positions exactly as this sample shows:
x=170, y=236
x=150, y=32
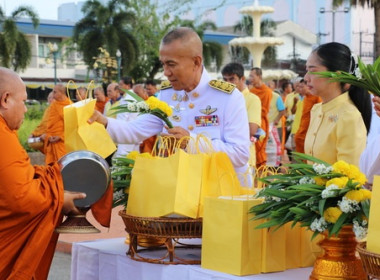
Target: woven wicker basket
x=371, y=261
x=170, y=229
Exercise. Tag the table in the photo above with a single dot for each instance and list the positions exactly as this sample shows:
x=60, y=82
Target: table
x=106, y=259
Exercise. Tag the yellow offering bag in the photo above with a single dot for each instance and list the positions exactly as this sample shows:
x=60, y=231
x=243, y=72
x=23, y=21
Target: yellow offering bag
x=292, y=246
x=164, y=186
x=230, y=242
x=373, y=241
x=310, y=249
x=80, y=135
x=273, y=250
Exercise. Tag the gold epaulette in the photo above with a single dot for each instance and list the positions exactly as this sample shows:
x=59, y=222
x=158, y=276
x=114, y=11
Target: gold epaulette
x=165, y=84
x=222, y=86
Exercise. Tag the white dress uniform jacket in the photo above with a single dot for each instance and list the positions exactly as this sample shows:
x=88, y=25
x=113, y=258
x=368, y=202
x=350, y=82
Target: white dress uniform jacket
x=217, y=113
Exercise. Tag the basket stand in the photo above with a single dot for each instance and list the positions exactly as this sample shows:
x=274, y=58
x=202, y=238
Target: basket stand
x=169, y=257
x=370, y=260
x=169, y=230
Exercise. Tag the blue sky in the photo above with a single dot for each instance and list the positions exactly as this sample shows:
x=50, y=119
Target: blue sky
x=46, y=9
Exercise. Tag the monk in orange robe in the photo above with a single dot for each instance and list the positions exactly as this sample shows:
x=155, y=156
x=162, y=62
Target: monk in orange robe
x=32, y=198
x=308, y=102
x=101, y=99
x=41, y=128
x=265, y=95
x=55, y=145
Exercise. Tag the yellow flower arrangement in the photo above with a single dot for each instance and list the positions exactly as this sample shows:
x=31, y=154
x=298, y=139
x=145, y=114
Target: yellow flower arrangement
x=319, y=196
x=152, y=106
x=121, y=173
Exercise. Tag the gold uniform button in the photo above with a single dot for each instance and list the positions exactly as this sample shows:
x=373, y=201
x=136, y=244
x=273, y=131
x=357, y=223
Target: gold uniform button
x=191, y=105
x=190, y=127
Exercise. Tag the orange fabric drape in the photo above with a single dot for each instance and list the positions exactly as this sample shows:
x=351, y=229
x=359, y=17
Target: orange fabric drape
x=148, y=144
x=265, y=95
x=99, y=105
x=31, y=199
x=101, y=210
x=308, y=103
x=55, y=127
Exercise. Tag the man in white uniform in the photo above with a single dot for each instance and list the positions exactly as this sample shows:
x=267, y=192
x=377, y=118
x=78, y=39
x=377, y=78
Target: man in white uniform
x=200, y=105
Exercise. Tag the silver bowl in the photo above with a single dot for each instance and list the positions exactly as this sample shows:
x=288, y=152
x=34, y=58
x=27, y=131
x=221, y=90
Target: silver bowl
x=85, y=171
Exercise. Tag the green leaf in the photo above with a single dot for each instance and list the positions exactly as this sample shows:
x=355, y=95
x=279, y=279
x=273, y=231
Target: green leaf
x=365, y=206
x=299, y=211
x=309, y=158
x=322, y=204
x=338, y=225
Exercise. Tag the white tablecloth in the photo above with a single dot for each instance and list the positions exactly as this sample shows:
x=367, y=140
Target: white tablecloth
x=106, y=259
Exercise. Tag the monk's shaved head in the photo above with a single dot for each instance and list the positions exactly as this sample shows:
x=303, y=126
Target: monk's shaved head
x=188, y=38
x=12, y=98
x=7, y=77
x=59, y=92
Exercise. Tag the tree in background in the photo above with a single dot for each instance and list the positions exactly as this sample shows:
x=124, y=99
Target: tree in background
x=267, y=28
x=148, y=29
x=212, y=51
x=375, y=4
x=15, y=49
x=109, y=27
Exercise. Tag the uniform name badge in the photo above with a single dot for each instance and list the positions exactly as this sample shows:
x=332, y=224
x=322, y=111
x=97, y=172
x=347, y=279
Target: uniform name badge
x=209, y=120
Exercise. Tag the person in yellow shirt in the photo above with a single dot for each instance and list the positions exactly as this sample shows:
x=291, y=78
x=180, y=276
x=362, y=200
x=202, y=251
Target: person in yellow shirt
x=234, y=74
x=339, y=125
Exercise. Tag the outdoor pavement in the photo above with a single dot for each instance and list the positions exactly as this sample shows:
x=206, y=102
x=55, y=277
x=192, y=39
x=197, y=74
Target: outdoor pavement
x=61, y=266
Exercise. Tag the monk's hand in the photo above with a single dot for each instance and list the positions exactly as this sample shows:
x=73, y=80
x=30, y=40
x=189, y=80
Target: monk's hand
x=53, y=139
x=68, y=202
x=376, y=102
x=178, y=133
x=43, y=136
x=98, y=117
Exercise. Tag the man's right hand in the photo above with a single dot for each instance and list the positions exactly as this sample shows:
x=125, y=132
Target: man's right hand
x=98, y=117
x=68, y=202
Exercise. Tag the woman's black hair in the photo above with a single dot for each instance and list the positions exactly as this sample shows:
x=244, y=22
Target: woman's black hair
x=337, y=57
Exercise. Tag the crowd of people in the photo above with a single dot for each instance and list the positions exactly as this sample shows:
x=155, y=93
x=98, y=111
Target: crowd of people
x=255, y=124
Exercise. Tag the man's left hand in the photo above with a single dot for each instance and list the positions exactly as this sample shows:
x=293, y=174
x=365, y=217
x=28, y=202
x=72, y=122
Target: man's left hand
x=178, y=133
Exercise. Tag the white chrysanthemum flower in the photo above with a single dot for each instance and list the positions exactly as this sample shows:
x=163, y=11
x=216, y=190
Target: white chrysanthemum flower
x=360, y=232
x=321, y=168
x=358, y=74
x=131, y=106
x=142, y=106
x=348, y=205
x=329, y=191
x=319, y=225
x=118, y=195
x=306, y=180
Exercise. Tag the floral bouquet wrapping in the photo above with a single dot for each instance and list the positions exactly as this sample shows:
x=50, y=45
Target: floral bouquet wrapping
x=152, y=106
x=121, y=173
x=319, y=196
x=365, y=76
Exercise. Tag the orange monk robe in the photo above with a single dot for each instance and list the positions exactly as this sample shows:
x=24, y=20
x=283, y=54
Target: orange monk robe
x=41, y=128
x=148, y=144
x=55, y=127
x=31, y=199
x=99, y=105
x=265, y=95
x=308, y=102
